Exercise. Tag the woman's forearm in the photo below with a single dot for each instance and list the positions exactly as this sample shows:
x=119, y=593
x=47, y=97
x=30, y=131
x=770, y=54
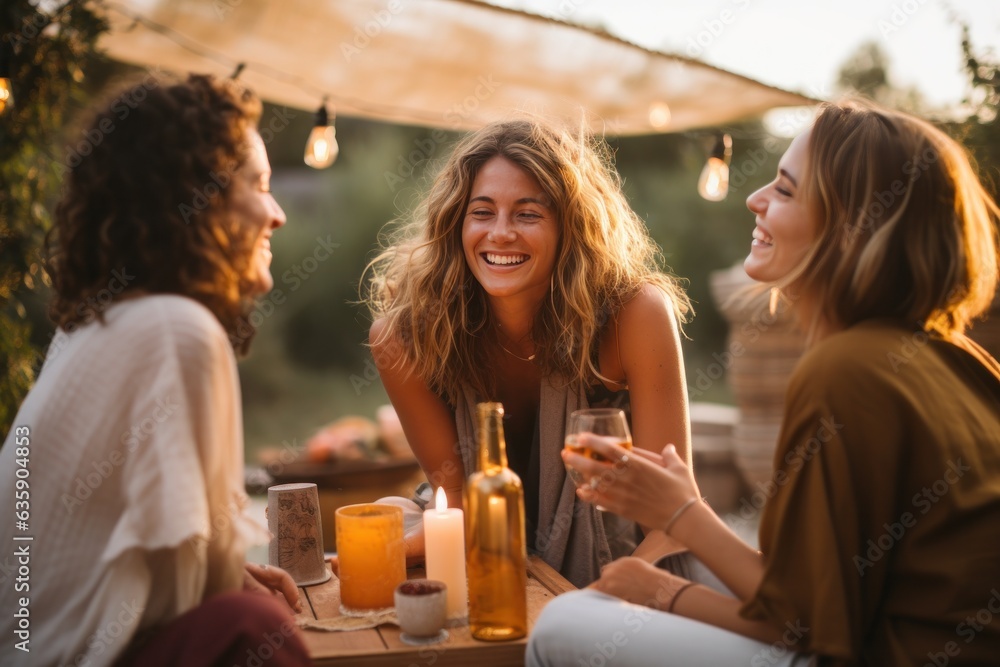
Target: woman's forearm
x=655, y=545
x=733, y=561
x=708, y=606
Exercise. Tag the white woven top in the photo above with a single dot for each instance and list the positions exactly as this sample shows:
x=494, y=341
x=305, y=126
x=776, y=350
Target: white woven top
x=135, y=462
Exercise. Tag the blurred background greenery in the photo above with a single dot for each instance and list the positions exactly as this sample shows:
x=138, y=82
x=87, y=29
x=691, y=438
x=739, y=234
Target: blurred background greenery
x=309, y=365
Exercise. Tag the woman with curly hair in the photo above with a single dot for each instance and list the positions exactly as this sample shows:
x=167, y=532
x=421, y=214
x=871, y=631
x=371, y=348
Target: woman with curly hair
x=879, y=544
x=525, y=278
x=132, y=435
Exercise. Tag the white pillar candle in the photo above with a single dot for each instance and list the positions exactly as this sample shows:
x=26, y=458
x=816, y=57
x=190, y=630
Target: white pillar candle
x=444, y=540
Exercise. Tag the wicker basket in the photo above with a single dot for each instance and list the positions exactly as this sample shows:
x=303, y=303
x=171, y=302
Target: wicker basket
x=763, y=349
x=715, y=468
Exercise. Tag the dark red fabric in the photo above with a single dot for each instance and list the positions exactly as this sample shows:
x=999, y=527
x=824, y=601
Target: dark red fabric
x=231, y=629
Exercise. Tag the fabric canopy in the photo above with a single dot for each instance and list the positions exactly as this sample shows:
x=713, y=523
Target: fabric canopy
x=455, y=64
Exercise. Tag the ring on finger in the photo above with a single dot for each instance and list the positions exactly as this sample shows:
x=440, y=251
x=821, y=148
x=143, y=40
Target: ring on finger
x=624, y=459
x=594, y=483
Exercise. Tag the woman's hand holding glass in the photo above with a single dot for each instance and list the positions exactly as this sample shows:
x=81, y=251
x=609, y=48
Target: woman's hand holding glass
x=609, y=422
x=640, y=485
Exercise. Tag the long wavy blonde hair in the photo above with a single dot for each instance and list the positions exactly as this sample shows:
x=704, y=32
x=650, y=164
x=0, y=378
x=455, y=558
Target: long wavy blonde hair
x=435, y=310
x=907, y=230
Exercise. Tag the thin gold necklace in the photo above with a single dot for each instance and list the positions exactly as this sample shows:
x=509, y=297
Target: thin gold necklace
x=516, y=356
x=504, y=348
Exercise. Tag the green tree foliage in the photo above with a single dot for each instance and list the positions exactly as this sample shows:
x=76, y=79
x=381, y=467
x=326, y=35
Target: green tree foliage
x=867, y=72
x=48, y=54
x=981, y=134
x=981, y=131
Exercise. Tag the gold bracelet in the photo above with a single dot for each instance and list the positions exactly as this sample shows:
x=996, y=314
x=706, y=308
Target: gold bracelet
x=677, y=515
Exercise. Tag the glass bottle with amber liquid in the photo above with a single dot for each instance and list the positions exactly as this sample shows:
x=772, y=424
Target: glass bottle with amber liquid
x=495, y=544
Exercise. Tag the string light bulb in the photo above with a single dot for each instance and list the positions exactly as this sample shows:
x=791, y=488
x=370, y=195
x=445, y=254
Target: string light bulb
x=322, y=148
x=6, y=70
x=659, y=115
x=6, y=96
x=713, y=184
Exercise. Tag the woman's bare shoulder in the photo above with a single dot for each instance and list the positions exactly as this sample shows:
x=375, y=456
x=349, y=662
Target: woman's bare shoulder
x=386, y=346
x=650, y=311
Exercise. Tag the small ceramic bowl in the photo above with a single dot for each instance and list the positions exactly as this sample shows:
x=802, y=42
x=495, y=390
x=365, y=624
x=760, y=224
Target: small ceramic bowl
x=422, y=609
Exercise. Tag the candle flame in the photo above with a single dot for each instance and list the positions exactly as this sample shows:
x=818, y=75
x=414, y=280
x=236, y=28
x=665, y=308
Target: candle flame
x=440, y=500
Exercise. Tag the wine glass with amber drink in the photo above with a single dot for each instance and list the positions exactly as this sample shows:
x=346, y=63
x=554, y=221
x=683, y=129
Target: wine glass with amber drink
x=610, y=422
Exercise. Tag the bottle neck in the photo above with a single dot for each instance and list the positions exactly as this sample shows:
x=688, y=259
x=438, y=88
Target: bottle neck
x=492, y=446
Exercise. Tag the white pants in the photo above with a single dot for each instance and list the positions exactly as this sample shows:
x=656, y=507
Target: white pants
x=590, y=629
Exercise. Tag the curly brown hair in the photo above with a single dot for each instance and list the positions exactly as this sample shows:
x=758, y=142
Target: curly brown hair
x=148, y=201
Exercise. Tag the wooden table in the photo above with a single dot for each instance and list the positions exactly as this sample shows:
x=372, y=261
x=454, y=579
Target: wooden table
x=382, y=647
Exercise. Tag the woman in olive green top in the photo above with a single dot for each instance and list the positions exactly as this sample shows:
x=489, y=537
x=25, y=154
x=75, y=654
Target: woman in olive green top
x=879, y=543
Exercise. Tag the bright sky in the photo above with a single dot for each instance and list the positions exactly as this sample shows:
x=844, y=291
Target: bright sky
x=796, y=44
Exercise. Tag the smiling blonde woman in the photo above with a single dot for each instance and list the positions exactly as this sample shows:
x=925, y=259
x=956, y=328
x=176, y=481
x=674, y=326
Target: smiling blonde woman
x=525, y=278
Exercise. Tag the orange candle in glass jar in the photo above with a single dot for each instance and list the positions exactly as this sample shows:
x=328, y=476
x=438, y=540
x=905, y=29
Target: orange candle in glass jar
x=371, y=555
